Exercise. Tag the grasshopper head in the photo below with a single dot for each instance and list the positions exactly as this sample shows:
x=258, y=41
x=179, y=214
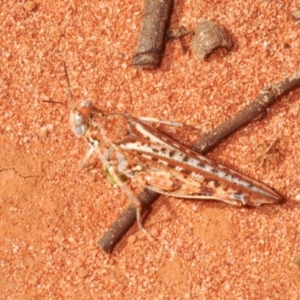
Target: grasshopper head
x=81, y=117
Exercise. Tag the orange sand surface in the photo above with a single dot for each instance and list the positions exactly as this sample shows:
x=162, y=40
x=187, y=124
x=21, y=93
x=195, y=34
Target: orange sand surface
x=52, y=213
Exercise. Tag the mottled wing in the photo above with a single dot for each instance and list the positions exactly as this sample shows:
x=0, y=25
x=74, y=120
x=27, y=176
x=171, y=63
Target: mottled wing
x=170, y=168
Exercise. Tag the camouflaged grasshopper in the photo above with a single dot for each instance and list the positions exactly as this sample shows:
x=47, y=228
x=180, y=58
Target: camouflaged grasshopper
x=131, y=149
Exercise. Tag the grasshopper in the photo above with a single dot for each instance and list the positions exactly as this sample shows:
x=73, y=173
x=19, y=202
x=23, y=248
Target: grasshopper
x=131, y=149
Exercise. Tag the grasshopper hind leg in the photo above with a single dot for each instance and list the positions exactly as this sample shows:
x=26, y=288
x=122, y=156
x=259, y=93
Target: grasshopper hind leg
x=140, y=224
x=133, y=199
x=116, y=178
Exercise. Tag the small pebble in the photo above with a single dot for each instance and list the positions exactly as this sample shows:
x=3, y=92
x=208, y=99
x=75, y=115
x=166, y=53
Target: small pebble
x=132, y=239
x=29, y=6
x=82, y=272
x=296, y=261
x=296, y=14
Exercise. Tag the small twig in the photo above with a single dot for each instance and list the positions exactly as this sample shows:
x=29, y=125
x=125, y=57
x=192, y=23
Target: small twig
x=254, y=111
x=151, y=41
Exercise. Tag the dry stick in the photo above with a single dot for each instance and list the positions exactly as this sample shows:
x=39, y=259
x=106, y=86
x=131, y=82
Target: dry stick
x=253, y=111
x=151, y=41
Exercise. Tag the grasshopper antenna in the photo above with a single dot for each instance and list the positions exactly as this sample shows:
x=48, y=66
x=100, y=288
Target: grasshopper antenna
x=68, y=85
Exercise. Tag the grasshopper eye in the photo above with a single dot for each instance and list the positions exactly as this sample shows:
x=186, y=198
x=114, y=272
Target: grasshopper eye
x=81, y=118
x=77, y=119
x=78, y=124
x=81, y=130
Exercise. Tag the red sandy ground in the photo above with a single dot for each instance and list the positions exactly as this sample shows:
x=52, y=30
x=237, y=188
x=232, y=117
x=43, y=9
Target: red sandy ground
x=52, y=213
